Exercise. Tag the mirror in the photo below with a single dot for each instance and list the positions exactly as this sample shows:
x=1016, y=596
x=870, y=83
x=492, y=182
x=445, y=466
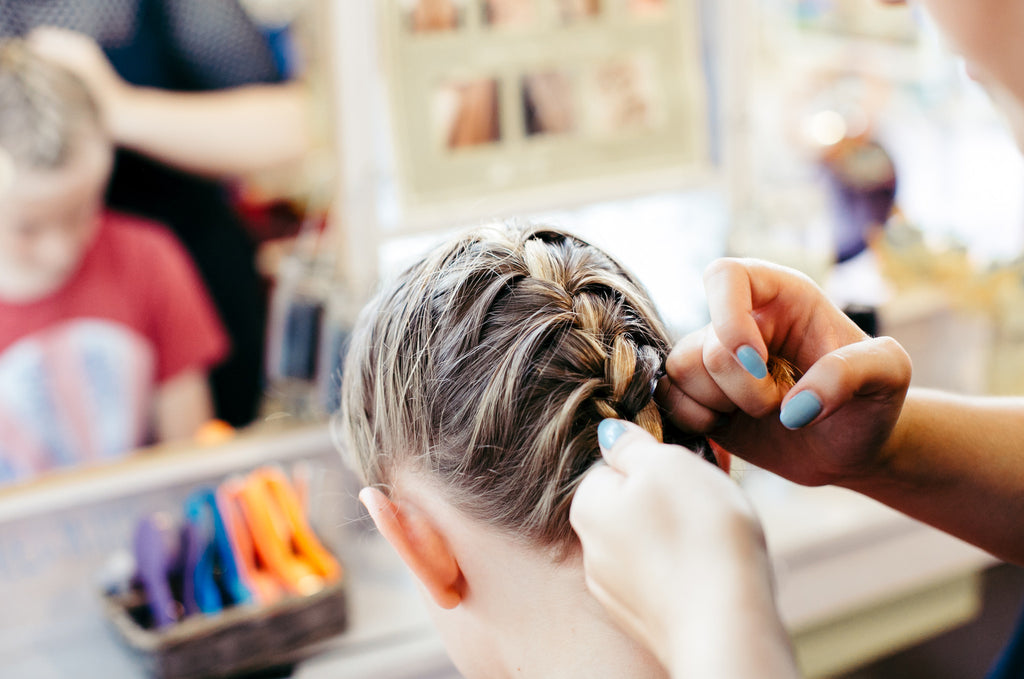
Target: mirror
x=152, y=324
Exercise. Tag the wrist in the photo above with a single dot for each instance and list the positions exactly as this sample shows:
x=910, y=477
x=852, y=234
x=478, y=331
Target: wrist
x=124, y=111
x=728, y=589
x=736, y=602
x=891, y=466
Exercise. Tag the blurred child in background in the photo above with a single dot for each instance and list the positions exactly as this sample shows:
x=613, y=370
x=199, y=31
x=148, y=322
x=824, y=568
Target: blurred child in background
x=106, y=332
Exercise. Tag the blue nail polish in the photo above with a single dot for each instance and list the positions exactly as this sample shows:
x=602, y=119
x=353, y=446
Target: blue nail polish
x=800, y=410
x=608, y=432
x=752, y=361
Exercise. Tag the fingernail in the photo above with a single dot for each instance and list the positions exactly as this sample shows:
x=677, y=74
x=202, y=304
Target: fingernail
x=800, y=410
x=608, y=432
x=752, y=361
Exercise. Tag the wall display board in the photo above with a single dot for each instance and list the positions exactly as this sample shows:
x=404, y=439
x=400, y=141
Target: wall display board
x=517, y=96
x=855, y=18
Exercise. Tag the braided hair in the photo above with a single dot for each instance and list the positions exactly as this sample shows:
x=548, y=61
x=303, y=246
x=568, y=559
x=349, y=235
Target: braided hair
x=489, y=365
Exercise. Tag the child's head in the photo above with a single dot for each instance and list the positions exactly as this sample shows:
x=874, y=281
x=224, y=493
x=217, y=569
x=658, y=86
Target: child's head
x=481, y=376
x=55, y=159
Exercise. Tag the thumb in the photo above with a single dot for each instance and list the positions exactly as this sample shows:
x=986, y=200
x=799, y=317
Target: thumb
x=619, y=441
x=872, y=366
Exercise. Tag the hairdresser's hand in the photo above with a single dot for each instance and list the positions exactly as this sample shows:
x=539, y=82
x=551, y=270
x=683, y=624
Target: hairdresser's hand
x=219, y=133
x=834, y=423
x=672, y=549
x=82, y=55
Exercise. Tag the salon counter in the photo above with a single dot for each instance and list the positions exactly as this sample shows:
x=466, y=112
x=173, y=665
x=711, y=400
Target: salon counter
x=856, y=580
x=57, y=536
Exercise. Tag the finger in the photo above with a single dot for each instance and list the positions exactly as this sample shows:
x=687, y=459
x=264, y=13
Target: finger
x=59, y=46
x=729, y=289
x=872, y=366
x=624, y=445
x=686, y=370
x=685, y=412
x=755, y=304
x=590, y=501
x=75, y=51
x=52, y=37
x=755, y=397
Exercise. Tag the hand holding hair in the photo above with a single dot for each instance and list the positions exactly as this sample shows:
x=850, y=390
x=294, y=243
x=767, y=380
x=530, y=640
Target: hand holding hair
x=834, y=422
x=950, y=461
x=216, y=133
x=673, y=551
x=83, y=56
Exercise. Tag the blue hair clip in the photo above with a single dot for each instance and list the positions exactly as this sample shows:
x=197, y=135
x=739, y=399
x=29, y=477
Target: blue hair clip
x=209, y=555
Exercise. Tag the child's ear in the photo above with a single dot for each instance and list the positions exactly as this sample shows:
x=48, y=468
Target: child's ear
x=723, y=456
x=420, y=544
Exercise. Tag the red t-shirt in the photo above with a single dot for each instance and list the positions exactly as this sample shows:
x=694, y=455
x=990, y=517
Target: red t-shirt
x=79, y=368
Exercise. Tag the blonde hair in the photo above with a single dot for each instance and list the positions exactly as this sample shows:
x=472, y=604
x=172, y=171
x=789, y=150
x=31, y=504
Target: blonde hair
x=43, y=107
x=489, y=365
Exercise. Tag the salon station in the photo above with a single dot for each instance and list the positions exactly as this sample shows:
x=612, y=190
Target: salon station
x=176, y=497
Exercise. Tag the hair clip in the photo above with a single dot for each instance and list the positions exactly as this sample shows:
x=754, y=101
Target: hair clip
x=158, y=557
x=658, y=374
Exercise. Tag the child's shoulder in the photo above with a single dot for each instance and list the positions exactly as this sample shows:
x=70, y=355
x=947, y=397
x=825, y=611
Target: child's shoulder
x=144, y=254
x=133, y=235
x=139, y=247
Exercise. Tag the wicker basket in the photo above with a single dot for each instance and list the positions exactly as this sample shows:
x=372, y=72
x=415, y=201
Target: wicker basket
x=240, y=640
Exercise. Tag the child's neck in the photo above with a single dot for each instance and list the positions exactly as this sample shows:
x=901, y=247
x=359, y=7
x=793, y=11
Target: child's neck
x=16, y=293
x=537, y=619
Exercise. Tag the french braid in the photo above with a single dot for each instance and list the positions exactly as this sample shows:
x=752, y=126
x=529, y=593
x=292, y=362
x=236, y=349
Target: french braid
x=490, y=363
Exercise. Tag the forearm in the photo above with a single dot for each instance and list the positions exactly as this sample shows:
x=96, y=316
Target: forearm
x=229, y=132
x=183, y=405
x=957, y=463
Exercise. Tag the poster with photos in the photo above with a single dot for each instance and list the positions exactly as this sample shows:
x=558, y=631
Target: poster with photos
x=859, y=19
x=513, y=96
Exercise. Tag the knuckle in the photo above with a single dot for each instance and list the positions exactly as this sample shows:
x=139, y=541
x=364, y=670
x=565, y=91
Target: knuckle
x=678, y=363
x=722, y=265
x=577, y=522
x=761, y=407
x=730, y=329
x=704, y=421
x=794, y=275
x=901, y=358
x=682, y=422
x=673, y=401
x=685, y=355
x=891, y=346
x=695, y=417
x=717, y=359
x=838, y=364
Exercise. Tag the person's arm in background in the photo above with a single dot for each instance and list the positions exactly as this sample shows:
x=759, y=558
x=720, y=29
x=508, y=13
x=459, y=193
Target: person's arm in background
x=225, y=132
x=183, y=404
x=953, y=462
x=672, y=549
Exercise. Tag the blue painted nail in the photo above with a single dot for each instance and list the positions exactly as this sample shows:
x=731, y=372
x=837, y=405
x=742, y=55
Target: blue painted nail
x=752, y=361
x=608, y=432
x=800, y=410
